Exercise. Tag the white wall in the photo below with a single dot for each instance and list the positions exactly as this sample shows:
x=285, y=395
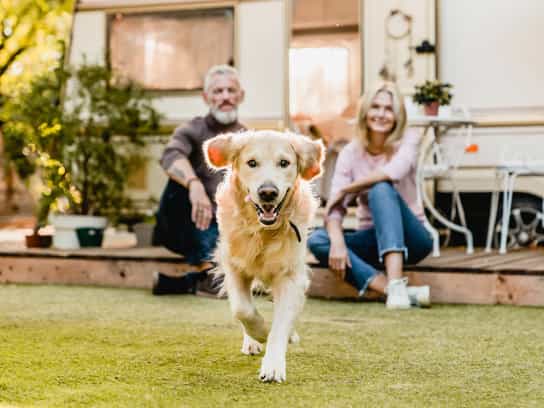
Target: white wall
x=88, y=38
x=260, y=59
x=375, y=13
x=491, y=51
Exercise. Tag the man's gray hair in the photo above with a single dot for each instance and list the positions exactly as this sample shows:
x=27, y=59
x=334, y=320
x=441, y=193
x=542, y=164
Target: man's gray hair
x=219, y=70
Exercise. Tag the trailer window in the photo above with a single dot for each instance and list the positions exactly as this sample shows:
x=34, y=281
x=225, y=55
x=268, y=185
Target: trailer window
x=170, y=50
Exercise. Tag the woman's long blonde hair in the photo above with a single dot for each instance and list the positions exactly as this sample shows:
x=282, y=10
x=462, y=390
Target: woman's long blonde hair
x=398, y=109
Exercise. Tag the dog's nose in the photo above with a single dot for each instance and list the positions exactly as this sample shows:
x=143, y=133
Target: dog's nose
x=268, y=192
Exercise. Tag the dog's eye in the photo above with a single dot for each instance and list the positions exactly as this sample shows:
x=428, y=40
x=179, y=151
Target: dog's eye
x=284, y=163
x=252, y=163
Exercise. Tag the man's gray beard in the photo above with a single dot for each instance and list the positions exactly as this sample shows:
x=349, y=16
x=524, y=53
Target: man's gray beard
x=226, y=118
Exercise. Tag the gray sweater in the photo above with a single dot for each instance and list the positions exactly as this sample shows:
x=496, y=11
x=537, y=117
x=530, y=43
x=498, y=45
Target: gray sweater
x=187, y=142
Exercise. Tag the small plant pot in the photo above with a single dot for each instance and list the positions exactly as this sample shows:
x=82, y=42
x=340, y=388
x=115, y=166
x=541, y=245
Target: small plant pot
x=90, y=237
x=38, y=241
x=144, y=234
x=431, y=109
x=66, y=225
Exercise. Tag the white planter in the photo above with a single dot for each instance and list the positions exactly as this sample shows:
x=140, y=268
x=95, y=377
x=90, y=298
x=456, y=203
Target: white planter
x=65, y=236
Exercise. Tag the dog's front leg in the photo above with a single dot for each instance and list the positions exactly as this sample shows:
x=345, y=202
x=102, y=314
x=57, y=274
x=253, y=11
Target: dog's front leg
x=288, y=302
x=241, y=303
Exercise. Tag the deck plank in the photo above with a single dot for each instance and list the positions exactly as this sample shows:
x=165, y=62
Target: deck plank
x=455, y=277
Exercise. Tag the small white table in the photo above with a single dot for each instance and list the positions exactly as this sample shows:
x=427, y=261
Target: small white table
x=440, y=167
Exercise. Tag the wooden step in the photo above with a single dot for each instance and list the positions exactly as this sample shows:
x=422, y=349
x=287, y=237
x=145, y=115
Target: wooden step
x=515, y=279
x=130, y=268
x=463, y=287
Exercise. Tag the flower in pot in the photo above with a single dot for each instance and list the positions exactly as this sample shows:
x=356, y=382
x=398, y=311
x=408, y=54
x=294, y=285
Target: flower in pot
x=31, y=120
x=432, y=94
x=82, y=148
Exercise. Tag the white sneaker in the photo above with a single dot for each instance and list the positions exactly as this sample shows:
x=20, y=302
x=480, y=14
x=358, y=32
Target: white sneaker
x=397, y=294
x=419, y=295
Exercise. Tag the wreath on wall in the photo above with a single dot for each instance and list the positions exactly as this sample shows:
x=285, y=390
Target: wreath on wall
x=398, y=29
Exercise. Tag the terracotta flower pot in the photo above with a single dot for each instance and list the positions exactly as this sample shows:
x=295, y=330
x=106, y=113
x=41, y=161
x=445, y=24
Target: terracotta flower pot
x=431, y=109
x=38, y=241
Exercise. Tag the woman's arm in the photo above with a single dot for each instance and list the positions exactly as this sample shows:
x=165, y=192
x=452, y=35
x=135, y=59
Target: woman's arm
x=368, y=181
x=338, y=253
x=395, y=169
x=342, y=176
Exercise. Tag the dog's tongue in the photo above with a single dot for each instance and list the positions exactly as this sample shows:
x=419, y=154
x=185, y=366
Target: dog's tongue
x=268, y=214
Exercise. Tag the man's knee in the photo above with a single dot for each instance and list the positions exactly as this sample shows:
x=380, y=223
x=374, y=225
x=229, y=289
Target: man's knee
x=174, y=229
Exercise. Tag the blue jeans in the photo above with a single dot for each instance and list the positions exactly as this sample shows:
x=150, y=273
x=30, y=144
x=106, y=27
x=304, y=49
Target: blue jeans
x=396, y=229
x=176, y=231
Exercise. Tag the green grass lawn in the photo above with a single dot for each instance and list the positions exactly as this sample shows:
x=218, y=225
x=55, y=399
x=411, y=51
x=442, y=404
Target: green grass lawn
x=74, y=346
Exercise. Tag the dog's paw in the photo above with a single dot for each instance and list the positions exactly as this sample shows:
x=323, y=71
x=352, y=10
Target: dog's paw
x=250, y=346
x=272, y=369
x=294, y=338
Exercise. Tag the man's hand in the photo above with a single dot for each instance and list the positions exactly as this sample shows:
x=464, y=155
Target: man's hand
x=339, y=259
x=201, y=213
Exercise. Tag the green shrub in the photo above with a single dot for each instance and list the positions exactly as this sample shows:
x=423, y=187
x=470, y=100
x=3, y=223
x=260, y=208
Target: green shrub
x=83, y=148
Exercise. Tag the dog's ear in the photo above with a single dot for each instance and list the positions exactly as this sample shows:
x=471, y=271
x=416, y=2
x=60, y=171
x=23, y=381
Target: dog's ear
x=218, y=150
x=310, y=155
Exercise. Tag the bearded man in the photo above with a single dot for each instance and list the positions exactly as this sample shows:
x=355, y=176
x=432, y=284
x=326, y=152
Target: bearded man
x=186, y=221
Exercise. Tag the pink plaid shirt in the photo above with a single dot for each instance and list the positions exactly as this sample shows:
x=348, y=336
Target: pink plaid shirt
x=354, y=163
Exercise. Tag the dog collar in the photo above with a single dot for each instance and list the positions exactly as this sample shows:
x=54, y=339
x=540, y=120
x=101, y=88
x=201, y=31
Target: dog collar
x=295, y=228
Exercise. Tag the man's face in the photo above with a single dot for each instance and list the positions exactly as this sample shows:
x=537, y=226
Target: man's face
x=223, y=97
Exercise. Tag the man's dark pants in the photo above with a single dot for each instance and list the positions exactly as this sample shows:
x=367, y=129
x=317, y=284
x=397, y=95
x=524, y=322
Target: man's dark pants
x=176, y=231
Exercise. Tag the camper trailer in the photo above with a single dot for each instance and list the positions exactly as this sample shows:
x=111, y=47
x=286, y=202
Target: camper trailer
x=304, y=64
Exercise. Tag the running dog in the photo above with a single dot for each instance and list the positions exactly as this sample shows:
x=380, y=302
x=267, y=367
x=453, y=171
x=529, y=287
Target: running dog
x=264, y=210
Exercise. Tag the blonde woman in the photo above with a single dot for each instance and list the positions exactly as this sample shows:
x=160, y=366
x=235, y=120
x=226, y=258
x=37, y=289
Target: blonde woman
x=378, y=170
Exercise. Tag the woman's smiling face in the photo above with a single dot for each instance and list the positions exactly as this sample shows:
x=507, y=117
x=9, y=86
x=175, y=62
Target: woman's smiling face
x=380, y=117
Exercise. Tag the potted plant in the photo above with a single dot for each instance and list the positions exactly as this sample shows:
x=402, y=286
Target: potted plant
x=432, y=94
x=24, y=135
x=82, y=149
x=140, y=220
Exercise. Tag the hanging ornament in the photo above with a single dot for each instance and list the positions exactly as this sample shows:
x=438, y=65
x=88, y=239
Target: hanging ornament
x=398, y=30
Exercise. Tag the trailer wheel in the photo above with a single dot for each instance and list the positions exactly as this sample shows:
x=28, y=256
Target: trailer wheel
x=526, y=224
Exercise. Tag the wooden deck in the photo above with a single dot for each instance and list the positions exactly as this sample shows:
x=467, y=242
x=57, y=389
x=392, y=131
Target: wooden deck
x=455, y=277
x=515, y=278
x=131, y=267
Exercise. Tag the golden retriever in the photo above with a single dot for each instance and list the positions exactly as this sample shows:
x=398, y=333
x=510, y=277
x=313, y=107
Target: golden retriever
x=264, y=210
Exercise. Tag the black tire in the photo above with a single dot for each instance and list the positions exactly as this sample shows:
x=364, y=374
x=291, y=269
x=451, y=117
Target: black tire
x=526, y=227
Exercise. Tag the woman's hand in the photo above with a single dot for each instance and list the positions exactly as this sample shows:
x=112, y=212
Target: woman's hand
x=339, y=259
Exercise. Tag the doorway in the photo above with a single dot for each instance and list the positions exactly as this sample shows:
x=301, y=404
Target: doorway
x=325, y=73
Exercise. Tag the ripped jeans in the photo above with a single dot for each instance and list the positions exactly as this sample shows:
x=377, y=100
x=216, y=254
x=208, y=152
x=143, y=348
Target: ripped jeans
x=396, y=229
